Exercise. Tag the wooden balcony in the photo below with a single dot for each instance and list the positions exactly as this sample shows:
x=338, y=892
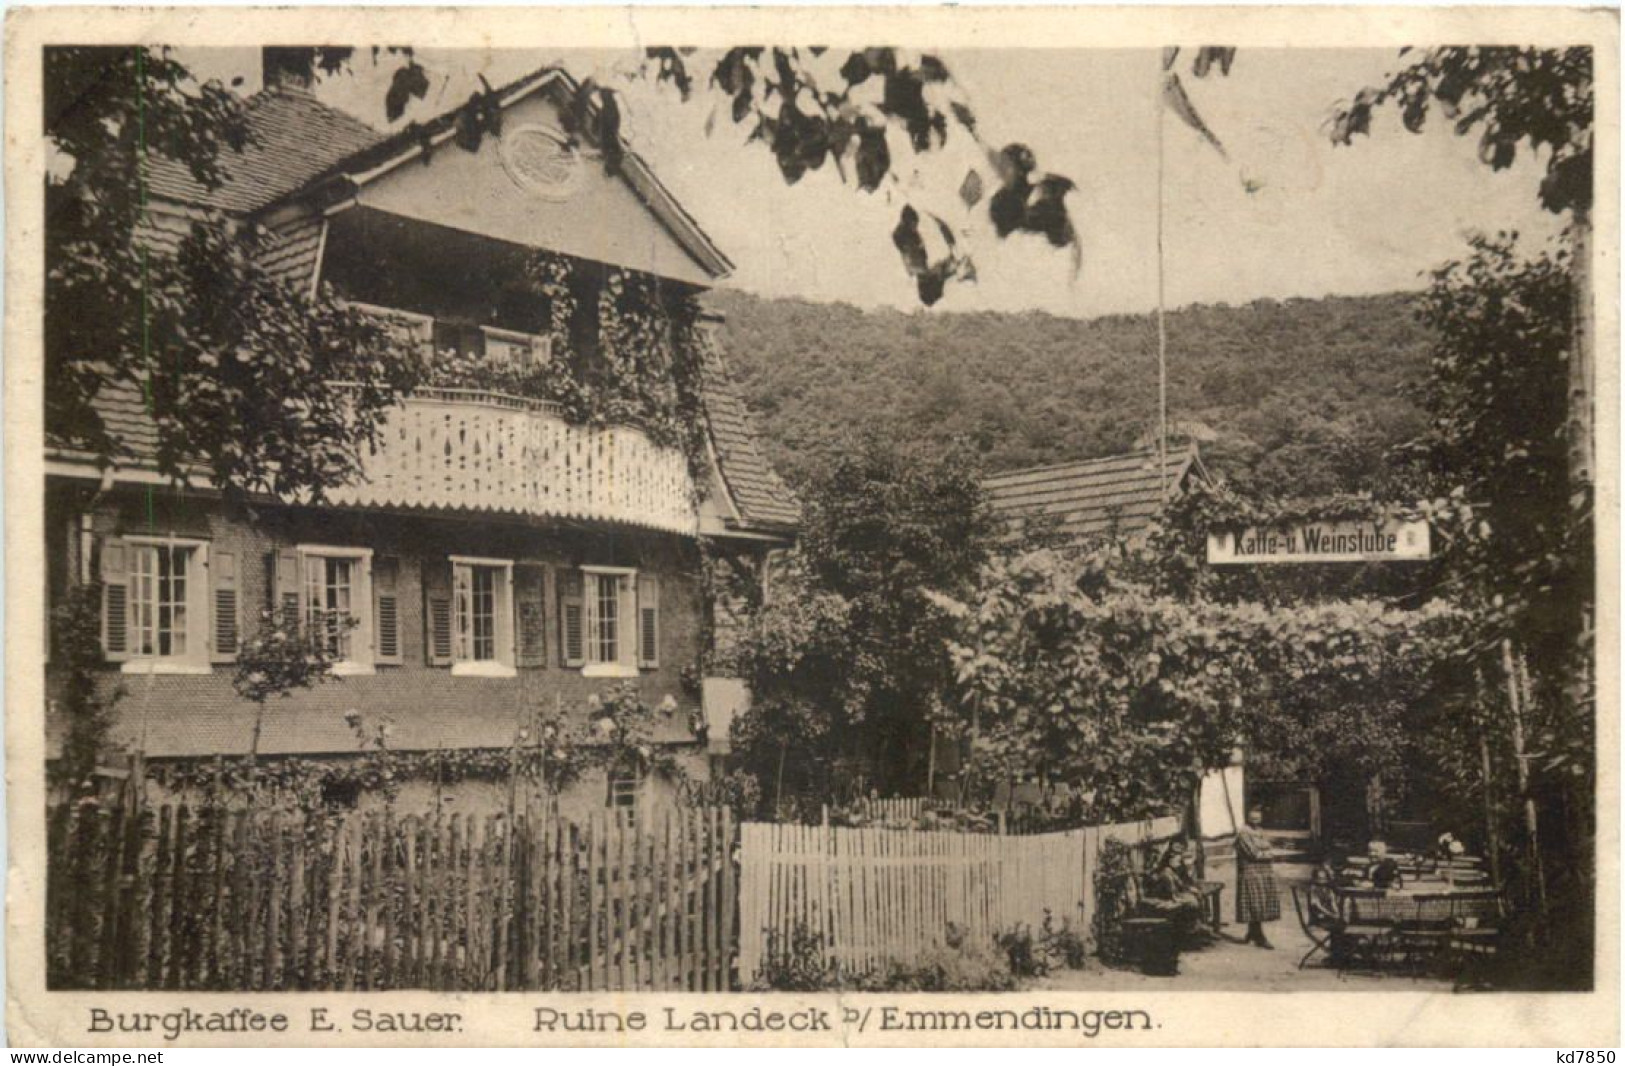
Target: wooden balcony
x=463, y=450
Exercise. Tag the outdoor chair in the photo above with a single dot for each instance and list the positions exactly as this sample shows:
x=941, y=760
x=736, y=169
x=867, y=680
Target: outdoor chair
x=1318, y=927
x=1419, y=937
x=1477, y=922
x=1328, y=925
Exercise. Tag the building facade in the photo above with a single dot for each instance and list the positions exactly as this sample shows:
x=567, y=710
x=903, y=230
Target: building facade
x=498, y=563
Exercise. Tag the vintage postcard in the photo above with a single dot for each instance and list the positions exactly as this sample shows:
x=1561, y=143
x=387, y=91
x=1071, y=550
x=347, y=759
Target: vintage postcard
x=812, y=526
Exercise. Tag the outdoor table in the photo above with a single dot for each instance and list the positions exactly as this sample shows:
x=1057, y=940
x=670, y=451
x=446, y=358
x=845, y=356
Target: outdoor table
x=1420, y=918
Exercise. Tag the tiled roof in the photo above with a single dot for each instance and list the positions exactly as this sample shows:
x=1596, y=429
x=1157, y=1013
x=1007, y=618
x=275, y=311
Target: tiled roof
x=1119, y=493
x=296, y=138
x=757, y=491
x=294, y=251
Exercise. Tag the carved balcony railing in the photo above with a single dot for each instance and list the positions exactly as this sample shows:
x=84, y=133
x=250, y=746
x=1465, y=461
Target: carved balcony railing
x=467, y=450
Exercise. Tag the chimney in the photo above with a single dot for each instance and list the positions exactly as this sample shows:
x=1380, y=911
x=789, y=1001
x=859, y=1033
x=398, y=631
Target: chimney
x=288, y=68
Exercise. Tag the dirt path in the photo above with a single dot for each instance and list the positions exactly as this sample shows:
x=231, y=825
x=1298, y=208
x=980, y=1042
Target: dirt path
x=1228, y=965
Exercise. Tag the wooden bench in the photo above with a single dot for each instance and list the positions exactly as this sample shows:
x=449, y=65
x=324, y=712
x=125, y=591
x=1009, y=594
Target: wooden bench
x=1152, y=941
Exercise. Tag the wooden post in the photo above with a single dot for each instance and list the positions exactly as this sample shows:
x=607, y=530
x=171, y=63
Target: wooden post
x=1492, y=837
x=1531, y=819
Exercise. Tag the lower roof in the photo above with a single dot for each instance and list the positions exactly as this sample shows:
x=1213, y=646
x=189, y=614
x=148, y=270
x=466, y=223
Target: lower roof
x=1117, y=494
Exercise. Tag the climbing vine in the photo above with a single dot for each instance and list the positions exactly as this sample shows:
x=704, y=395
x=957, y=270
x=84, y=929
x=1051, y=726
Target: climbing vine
x=646, y=367
x=77, y=647
x=549, y=753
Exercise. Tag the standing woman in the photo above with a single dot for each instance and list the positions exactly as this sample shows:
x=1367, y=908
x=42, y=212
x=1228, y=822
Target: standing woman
x=1258, y=900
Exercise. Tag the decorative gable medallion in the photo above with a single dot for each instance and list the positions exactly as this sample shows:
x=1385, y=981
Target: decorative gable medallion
x=542, y=161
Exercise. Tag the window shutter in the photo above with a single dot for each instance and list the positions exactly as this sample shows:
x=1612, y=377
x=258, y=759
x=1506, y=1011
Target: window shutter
x=285, y=587
x=530, y=610
x=223, y=579
x=648, y=621
x=572, y=620
x=626, y=629
x=462, y=589
x=386, y=610
x=437, y=612
x=115, y=600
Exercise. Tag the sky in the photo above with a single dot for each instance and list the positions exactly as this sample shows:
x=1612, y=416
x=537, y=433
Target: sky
x=1288, y=214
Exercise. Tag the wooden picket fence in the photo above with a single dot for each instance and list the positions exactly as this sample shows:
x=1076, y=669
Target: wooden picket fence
x=181, y=898
x=877, y=895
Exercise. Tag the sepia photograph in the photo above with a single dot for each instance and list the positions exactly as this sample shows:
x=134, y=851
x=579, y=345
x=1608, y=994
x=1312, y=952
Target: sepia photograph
x=770, y=518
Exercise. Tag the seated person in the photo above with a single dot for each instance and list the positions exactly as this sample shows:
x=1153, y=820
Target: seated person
x=1171, y=890
x=1383, y=871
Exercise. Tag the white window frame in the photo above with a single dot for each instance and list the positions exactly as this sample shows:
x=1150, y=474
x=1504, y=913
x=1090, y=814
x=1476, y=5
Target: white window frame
x=502, y=614
x=199, y=623
x=625, y=663
x=362, y=636
x=638, y=791
x=419, y=325
x=531, y=341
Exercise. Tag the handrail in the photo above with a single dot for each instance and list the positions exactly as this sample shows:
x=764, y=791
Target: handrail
x=481, y=397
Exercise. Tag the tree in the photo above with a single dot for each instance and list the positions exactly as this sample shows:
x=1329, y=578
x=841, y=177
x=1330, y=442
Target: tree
x=1516, y=98
x=1512, y=331
x=1072, y=674
x=846, y=661
x=204, y=334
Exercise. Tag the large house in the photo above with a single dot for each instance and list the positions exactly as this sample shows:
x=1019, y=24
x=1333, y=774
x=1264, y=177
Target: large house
x=495, y=560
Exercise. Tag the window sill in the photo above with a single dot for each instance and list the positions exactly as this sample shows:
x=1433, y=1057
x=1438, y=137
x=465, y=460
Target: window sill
x=483, y=670
x=159, y=666
x=353, y=670
x=609, y=670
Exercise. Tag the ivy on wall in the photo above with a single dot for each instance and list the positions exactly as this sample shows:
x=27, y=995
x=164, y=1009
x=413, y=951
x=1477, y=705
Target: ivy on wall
x=639, y=361
x=550, y=753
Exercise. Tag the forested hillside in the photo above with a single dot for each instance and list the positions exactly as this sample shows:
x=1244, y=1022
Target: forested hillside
x=1305, y=396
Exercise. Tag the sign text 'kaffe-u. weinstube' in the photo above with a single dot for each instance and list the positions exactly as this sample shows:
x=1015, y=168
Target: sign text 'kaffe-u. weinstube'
x=1321, y=542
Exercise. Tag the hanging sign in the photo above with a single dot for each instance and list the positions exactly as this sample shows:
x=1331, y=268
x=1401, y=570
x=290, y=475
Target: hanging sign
x=1322, y=542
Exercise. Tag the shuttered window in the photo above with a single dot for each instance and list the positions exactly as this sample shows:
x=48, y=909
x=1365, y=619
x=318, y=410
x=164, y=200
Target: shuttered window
x=329, y=589
x=648, y=621
x=115, y=601
x=572, y=619
x=437, y=612
x=482, y=616
x=223, y=578
x=386, y=609
x=156, y=603
x=610, y=619
x=530, y=606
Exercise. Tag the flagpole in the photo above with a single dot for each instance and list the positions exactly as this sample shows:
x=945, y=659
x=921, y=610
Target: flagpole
x=1162, y=327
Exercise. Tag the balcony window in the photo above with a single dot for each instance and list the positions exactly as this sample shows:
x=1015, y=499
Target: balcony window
x=521, y=353
x=410, y=327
